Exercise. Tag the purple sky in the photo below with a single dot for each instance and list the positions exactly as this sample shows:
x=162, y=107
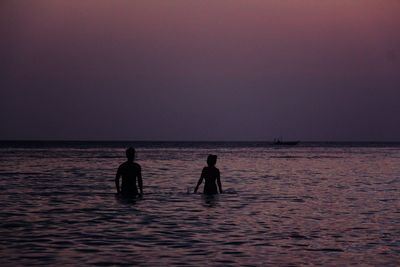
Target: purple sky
x=200, y=70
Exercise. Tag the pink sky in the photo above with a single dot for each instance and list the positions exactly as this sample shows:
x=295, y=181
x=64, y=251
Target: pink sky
x=200, y=70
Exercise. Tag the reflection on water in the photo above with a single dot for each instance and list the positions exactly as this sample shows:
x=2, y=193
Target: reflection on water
x=286, y=206
x=210, y=201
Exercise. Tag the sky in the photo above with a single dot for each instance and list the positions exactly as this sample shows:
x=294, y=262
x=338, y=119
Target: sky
x=234, y=70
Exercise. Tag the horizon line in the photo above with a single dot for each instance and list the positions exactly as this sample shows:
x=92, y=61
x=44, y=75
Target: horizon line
x=193, y=141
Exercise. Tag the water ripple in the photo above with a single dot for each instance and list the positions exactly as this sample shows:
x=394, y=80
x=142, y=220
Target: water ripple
x=300, y=206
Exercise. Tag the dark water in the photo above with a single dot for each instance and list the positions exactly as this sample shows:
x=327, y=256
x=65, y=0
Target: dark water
x=314, y=204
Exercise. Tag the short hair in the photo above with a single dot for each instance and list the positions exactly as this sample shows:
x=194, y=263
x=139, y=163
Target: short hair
x=212, y=159
x=130, y=152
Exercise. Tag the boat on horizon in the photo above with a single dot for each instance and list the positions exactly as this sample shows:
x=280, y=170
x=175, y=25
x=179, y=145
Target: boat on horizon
x=279, y=142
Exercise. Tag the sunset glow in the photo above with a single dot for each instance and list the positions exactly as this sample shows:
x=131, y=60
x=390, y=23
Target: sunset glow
x=253, y=69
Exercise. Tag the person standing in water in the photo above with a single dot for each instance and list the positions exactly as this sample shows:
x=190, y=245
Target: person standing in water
x=211, y=175
x=129, y=171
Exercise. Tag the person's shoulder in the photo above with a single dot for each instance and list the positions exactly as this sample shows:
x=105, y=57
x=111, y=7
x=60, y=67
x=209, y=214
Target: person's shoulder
x=121, y=167
x=137, y=165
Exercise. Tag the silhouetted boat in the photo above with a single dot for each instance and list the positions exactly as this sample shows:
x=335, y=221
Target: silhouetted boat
x=285, y=143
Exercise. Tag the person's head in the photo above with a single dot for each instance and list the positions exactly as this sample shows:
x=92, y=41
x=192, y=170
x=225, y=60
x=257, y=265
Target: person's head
x=211, y=160
x=130, y=153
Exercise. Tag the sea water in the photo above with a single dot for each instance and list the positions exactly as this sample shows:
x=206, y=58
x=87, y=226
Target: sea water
x=311, y=204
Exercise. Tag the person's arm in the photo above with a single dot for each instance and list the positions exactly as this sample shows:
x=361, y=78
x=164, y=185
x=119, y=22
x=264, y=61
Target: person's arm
x=219, y=183
x=140, y=180
x=117, y=176
x=199, y=182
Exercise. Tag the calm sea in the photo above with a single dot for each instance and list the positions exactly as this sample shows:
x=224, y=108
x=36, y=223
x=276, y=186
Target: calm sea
x=324, y=204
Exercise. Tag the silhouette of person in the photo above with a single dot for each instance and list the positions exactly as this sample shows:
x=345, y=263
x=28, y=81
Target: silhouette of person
x=129, y=171
x=210, y=174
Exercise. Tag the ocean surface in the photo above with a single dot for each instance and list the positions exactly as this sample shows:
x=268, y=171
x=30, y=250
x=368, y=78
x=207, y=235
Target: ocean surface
x=329, y=204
